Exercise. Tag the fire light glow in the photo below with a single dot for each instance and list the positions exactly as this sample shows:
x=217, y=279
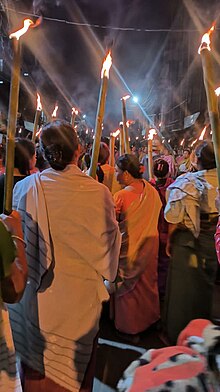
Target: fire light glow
x=17, y=34
x=39, y=106
x=206, y=41
x=201, y=137
x=106, y=66
x=54, y=114
x=116, y=133
x=151, y=133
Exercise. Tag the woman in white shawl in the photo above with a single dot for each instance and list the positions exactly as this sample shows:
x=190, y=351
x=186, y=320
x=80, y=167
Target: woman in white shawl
x=73, y=242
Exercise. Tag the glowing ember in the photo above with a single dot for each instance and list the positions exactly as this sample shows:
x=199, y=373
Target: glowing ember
x=217, y=91
x=39, y=106
x=125, y=97
x=182, y=142
x=54, y=114
x=106, y=66
x=116, y=133
x=39, y=131
x=201, y=137
x=19, y=33
x=205, y=42
x=75, y=111
x=151, y=133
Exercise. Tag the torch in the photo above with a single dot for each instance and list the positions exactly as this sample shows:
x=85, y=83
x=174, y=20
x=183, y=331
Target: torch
x=201, y=137
x=112, y=147
x=37, y=117
x=122, y=142
x=100, y=114
x=54, y=114
x=12, y=115
x=73, y=117
x=208, y=77
x=125, y=128
x=151, y=134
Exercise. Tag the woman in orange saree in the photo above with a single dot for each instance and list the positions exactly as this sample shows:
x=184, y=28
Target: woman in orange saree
x=138, y=205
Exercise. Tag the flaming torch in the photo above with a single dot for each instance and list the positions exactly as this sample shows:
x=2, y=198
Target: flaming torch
x=75, y=112
x=208, y=76
x=37, y=117
x=125, y=128
x=151, y=134
x=100, y=113
x=201, y=137
x=12, y=114
x=54, y=114
x=112, y=147
x=122, y=142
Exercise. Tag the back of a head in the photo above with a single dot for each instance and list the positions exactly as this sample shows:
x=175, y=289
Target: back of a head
x=28, y=145
x=206, y=156
x=58, y=142
x=103, y=153
x=131, y=164
x=161, y=168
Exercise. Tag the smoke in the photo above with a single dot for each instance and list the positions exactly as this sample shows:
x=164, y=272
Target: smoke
x=41, y=6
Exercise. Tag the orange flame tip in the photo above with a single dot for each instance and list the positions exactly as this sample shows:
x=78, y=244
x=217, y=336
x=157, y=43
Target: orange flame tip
x=182, y=142
x=151, y=133
x=217, y=91
x=125, y=97
x=106, y=66
x=206, y=41
x=74, y=110
x=201, y=137
x=19, y=33
x=54, y=114
x=39, y=106
x=116, y=133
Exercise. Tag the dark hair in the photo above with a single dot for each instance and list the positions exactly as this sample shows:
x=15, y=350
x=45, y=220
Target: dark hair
x=21, y=158
x=131, y=164
x=206, y=156
x=161, y=168
x=187, y=149
x=103, y=153
x=28, y=145
x=58, y=140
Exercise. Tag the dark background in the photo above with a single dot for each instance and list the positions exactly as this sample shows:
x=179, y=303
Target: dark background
x=63, y=61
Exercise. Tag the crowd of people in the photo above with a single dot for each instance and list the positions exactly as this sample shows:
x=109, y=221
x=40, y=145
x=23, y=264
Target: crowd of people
x=73, y=242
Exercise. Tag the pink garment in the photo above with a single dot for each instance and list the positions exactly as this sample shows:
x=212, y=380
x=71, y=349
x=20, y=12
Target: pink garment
x=217, y=241
x=136, y=301
x=170, y=160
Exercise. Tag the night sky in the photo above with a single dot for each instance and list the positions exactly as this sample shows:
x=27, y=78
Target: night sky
x=64, y=61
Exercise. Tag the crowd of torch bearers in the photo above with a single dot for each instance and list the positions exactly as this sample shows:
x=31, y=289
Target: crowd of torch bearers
x=206, y=55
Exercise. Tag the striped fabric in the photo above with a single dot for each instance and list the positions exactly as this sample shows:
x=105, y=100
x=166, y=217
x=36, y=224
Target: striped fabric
x=9, y=377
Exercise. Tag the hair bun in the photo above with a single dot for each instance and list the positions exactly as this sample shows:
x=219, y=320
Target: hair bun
x=53, y=154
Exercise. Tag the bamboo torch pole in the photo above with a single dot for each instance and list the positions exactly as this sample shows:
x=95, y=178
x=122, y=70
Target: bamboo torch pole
x=122, y=142
x=100, y=114
x=125, y=128
x=152, y=132
x=212, y=100
x=12, y=115
x=73, y=116
x=37, y=118
x=112, y=147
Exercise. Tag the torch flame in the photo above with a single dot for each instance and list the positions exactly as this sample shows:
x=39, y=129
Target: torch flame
x=193, y=143
x=182, y=142
x=125, y=97
x=205, y=42
x=151, y=133
x=106, y=66
x=201, y=137
x=54, y=114
x=74, y=110
x=39, y=106
x=19, y=33
x=217, y=91
x=116, y=133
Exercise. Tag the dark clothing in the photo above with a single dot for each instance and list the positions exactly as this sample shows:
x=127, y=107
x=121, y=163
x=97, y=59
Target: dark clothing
x=191, y=277
x=2, y=187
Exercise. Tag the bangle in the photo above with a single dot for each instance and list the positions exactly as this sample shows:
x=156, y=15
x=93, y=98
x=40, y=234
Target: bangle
x=16, y=237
